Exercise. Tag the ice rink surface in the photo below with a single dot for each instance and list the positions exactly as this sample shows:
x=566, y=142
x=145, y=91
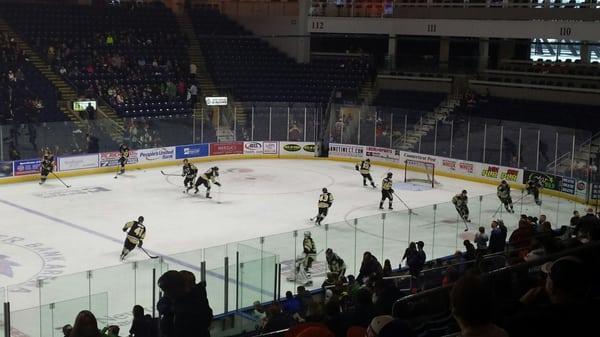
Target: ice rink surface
x=50, y=230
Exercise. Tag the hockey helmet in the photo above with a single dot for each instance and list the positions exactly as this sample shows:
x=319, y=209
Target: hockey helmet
x=324, y=189
x=329, y=251
x=503, y=182
x=464, y=191
x=140, y=219
x=215, y=170
x=307, y=234
x=185, y=161
x=368, y=160
x=389, y=174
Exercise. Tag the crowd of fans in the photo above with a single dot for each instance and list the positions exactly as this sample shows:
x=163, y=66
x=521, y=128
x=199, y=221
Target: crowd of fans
x=367, y=300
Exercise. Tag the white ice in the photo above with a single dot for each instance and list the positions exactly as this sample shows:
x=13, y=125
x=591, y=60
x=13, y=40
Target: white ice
x=80, y=227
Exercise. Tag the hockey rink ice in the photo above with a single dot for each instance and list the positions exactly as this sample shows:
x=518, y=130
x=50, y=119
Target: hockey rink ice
x=49, y=230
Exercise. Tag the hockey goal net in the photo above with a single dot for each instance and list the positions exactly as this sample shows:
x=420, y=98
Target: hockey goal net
x=419, y=171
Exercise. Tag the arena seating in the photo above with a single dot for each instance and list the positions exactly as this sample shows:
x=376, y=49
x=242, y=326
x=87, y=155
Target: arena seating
x=26, y=95
x=132, y=56
x=532, y=111
x=411, y=100
x=252, y=70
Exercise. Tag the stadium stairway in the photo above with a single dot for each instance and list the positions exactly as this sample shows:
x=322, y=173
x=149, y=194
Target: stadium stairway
x=366, y=93
x=114, y=126
x=426, y=124
x=206, y=84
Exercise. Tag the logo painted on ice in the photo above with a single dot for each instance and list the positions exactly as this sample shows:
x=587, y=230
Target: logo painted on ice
x=22, y=263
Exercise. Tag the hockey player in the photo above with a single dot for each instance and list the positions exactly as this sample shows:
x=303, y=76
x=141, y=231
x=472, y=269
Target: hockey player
x=124, y=156
x=365, y=170
x=136, y=232
x=325, y=201
x=533, y=186
x=310, y=253
x=335, y=263
x=206, y=179
x=503, y=193
x=46, y=167
x=460, y=201
x=387, y=192
x=189, y=172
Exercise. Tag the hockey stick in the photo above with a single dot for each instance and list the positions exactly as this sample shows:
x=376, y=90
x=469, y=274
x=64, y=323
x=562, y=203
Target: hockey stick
x=169, y=174
x=497, y=210
x=150, y=256
x=397, y=196
x=465, y=221
x=57, y=177
x=219, y=195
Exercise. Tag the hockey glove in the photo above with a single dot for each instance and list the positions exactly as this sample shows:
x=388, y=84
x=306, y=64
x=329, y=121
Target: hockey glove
x=140, y=243
x=218, y=184
x=356, y=167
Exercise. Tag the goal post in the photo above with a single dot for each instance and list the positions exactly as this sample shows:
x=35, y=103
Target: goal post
x=419, y=171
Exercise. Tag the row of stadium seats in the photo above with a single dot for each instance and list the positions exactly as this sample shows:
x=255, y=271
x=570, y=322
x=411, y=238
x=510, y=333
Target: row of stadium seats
x=102, y=48
x=254, y=71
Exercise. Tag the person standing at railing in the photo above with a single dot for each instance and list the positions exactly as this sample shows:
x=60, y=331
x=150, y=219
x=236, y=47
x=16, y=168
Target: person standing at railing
x=481, y=240
x=497, y=237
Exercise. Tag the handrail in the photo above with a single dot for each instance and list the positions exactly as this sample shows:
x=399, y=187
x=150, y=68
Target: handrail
x=555, y=162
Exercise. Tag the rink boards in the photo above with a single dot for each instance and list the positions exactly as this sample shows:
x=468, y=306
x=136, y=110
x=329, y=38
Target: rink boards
x=564, y=187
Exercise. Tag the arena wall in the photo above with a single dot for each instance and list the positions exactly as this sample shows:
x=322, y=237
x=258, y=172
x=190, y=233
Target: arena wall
x=106, y=162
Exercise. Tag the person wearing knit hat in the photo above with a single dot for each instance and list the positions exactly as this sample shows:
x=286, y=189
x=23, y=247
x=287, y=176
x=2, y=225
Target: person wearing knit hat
x=377, y=324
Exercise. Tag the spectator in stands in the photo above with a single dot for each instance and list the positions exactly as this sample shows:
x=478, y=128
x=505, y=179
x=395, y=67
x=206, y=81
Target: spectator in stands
x=333, y=318
x=190, y=313
x=387, y=268
x=316, y=312
x=259, y=314
x=66, y=330
x=13, y=153
x=370, y=269
x=362, y=311
x=588, y=223
x=85, y=325
x=481, y=240
x=385, y=294
x=497, y=237
x=93, y=145
x=90, y=112
x=305, y=298
x=352, y=286
x=276, y=319
x=292, y=306
x=140, y=326
x=193, y=90
x=540, y=222
x=469, y=254
x=377, y=324
x=471, y=302
x=574, y=219
x=110, y=331
x=193, y=71
x=559, y=308
x=521, y=237
x=411, y=249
